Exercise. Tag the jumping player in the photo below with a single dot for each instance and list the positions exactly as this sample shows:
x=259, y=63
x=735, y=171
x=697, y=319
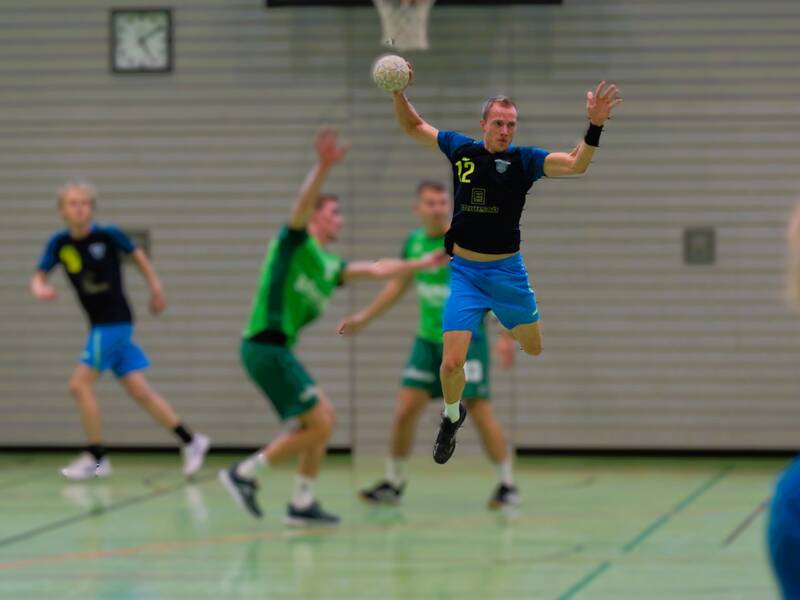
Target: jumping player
x=421, y=381
x=297, y=278
x=783, y=532
x=491, y=178
x=90, y=253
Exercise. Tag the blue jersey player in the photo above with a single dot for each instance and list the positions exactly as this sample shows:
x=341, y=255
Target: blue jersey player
x=491, y=178
x=90, y=255
x=783, y=532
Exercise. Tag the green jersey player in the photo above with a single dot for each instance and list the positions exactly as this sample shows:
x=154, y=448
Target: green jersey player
x=420, y=381
x=297, y=278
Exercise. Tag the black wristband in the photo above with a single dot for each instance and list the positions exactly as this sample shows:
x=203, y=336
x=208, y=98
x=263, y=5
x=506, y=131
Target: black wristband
x=592, y=137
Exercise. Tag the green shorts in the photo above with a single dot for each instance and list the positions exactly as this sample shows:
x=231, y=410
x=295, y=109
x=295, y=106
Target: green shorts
x=277, y=373
x=422, y=368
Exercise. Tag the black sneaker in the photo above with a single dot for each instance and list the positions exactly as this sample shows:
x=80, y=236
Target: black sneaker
x=505, y=496
x=242, y=489
x=445, y=443
x=384, y=492
x=311, y=515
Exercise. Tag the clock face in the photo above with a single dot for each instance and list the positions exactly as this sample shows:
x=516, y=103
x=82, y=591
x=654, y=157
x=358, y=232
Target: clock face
x=141, y=41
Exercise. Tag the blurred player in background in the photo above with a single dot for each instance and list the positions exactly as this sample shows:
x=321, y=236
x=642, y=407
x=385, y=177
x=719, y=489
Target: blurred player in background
x=783, y=533
x=298, y=277
x=421, y=381
x=491, y=178
x=90, y=254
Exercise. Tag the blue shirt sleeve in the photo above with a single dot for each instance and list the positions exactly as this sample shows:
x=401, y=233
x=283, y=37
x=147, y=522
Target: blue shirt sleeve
x=533, y=161
x=49, y=259
x=450, y=141
x=121, y=239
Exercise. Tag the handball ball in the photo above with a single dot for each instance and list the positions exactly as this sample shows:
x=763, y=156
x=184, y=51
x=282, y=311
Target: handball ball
x=391, y=73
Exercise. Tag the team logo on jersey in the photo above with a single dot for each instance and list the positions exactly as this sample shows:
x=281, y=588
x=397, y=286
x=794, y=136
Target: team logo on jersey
x=91, y=286
x=331, y=266
x=98, y=250
x=501, y=165
x=71, y=259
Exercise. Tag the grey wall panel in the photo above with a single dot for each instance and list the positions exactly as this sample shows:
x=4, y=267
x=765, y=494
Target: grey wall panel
x=640, y=350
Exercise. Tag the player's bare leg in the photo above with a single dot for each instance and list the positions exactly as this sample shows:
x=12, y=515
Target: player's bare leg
x=81, y=386
x=309, y=443
x=303, y=508
x=194, y=446
x=529, y=336
x=411, y=402
x=454, y=354
x=495, y=445
x=93, y=462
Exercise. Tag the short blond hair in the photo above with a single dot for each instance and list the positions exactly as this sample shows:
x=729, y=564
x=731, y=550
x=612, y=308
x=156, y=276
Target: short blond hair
x=81, y=184
x=501, y=100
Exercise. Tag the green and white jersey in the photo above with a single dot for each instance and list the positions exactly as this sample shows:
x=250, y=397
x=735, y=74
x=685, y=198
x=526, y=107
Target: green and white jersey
x=433, y=285
x=297, y=279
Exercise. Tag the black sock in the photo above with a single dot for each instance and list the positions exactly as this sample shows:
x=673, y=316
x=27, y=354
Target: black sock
x=183, y=434
x=96, y=450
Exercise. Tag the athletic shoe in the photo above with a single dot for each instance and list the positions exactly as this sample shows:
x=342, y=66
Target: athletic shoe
x=445, y=443
x=505, y=496
x=312, y=515
x=194, y=453
x=87, y=466
x=384, y=492
x=242, y=489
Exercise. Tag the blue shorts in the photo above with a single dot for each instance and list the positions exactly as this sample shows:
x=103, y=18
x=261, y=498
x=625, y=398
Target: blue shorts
x=499, y=286
x=112, y=347
x=783, y=532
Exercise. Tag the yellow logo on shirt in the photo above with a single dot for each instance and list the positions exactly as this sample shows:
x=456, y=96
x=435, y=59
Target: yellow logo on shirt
x=71, y=259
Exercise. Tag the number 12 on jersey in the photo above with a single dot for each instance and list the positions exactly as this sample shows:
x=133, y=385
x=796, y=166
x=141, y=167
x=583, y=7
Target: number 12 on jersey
x=465, y=168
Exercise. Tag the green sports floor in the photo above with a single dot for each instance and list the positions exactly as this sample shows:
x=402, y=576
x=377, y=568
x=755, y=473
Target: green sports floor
x=589, y=528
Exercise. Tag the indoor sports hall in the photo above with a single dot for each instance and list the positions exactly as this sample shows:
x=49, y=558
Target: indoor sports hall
x=186, y=184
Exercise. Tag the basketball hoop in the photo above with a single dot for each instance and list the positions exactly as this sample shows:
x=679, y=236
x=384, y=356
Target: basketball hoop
x=404, y=23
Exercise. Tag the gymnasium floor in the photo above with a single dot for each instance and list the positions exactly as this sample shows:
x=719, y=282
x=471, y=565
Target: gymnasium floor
x=613, y=528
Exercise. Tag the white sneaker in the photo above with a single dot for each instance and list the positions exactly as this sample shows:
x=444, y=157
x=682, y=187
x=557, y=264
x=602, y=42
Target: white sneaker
x=194, y=453
x=87, y=467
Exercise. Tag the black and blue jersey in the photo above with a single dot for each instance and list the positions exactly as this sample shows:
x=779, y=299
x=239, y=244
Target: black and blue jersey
x=92, y=265
x=489, y=192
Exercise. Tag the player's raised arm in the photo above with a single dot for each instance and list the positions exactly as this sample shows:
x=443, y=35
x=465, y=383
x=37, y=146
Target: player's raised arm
x=386, y=268
x=409, y=120
x=598, y=109
x=329, y=152
x=385, y=299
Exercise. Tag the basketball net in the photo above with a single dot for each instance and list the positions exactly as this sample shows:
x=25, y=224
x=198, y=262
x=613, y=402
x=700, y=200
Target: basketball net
x=404, y=23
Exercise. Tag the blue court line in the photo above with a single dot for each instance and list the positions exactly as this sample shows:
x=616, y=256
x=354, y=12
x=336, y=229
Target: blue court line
x=631, y=545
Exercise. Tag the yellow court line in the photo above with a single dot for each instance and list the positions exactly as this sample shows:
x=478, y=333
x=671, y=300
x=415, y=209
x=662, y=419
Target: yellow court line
x=162, y=547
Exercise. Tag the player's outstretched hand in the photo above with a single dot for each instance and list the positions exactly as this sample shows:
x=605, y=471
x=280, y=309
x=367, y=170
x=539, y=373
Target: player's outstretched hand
x=158, y=302
x=45, y=293
x=439, y=258
x=351, y=325
x=505, y=348
x=329, y=152
x=793, y=230
x=600, y=102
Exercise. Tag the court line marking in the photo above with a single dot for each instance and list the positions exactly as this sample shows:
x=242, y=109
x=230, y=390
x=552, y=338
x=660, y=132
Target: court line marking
x=285, y=534
x=124, y=503
x=651, y=528
x=748, y=520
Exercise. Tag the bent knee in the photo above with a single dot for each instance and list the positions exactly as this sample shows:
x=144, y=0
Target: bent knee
x=534, y=348
x=452, y=365
x=77, y=385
